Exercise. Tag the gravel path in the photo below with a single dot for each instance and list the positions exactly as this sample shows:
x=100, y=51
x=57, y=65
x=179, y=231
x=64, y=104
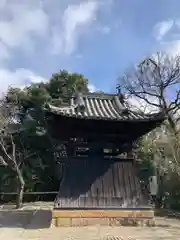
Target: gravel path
x=91, y=233
x=34, y=224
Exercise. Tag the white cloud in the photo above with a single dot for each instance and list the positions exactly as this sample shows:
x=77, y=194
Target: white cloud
x=21, y=23
x=56, y=42
x=162, y=28
x=177, y=22
x=171, y=47
x=17, y=78
x=3, y=3
x=76, y=19
x=104, y=29
x=33, y=78
x=60, y=24
x=92, y=87
x=4, y=52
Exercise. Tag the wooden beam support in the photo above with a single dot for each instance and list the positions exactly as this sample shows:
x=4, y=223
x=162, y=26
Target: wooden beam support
x=98, y=143
x=114, y=139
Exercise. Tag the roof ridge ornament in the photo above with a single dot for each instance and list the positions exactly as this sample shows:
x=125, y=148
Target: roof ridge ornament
x=79, y=102
x=120, y=94
x=120, y=106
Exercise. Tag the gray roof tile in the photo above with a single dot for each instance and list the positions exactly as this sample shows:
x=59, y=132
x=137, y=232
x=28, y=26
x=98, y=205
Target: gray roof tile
x=106, y=107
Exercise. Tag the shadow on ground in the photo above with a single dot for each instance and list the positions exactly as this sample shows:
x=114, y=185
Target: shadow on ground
x=41, y=219
x=27, y=219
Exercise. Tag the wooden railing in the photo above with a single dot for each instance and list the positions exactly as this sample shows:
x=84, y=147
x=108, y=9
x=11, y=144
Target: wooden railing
x=6, y=197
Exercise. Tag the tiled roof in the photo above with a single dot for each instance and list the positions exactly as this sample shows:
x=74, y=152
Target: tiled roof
x=93, y=106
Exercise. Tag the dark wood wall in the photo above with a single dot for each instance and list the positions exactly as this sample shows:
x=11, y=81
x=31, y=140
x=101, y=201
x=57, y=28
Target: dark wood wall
x=93, y=179
x=96, y=183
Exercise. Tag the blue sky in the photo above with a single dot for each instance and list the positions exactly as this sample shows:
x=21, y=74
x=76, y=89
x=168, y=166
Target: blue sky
x=98, y=38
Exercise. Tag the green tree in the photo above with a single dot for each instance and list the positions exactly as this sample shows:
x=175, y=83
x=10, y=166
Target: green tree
x=34, y=140
x=64, y=84
x=10, y=156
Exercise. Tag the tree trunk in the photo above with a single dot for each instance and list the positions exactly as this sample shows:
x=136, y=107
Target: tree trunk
x=172, y=125
x=170, y=119
x=20, y=189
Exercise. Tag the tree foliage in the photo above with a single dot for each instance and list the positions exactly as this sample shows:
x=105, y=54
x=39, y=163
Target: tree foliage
x=31, y=144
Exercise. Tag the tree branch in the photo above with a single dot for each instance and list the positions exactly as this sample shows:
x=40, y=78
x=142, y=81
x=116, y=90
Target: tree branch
x=3, y=149
x=13, y=151
x=25, y=158
x=2, y=162
x=146, y=100
x=175, y=104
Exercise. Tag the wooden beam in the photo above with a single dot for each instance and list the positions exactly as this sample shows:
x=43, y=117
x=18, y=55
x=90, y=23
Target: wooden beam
x=84, y=157
x=109, y=154
x=99, y=141
x=122, y=138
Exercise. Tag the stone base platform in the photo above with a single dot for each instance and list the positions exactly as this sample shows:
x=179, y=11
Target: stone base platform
x=72, y=218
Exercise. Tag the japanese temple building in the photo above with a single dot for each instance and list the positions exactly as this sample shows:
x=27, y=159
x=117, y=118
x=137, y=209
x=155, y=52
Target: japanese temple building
x=96, y=133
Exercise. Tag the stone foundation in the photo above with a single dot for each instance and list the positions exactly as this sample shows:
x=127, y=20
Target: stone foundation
x=103, y=217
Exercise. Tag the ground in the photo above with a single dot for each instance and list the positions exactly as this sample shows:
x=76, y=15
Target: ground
x=33, y=223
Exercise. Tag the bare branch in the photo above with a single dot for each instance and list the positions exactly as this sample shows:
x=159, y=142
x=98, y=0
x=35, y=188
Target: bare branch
x=154, y=81
x=3, y=150
x=2, y=162
x=178, y=120
x=176, y=103
x=13, y=151
x=25, y=158
x=146, y=100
